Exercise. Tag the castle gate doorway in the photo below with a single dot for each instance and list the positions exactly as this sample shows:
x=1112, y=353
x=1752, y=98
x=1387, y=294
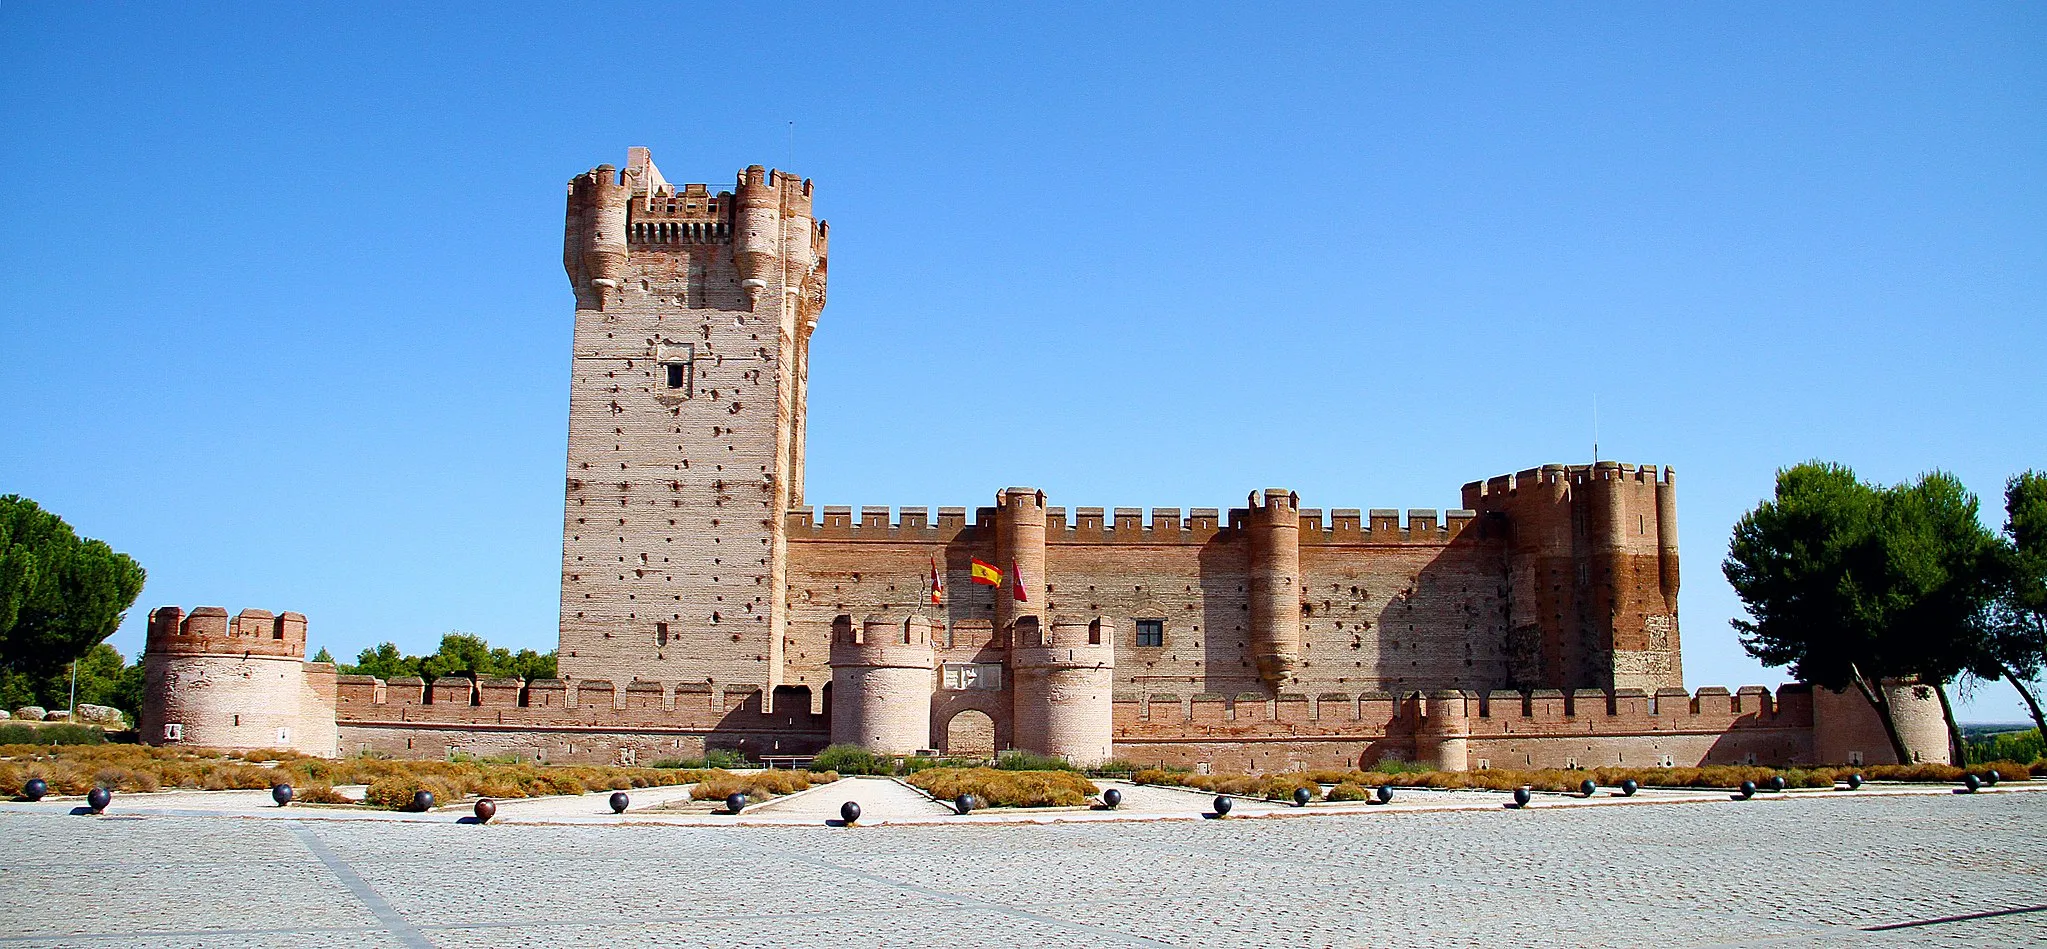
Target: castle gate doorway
x=970, y=732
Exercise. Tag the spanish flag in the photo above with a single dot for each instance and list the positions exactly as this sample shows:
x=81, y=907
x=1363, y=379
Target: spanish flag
x=987, y=574
x=937, y=584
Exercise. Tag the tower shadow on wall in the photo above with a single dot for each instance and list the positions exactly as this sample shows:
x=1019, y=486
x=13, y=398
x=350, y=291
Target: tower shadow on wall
x=1226, y=667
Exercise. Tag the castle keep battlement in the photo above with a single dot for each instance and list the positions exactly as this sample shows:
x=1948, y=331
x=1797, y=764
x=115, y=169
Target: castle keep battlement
x=705, y=605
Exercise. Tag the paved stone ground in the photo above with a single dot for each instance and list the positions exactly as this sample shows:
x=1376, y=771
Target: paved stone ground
x=1810, y=870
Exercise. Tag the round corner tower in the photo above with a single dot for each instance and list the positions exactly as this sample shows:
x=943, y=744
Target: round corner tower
x=232, y=683
x=1065, y=680
x=881, y=684
x=1443, y=738
x=1846, y=729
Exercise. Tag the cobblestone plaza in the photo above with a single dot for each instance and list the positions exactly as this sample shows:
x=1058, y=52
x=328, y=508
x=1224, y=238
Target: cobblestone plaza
x=1811, y=869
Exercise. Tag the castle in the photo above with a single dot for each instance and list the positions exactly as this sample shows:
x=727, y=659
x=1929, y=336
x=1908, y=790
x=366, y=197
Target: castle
x=705, y=605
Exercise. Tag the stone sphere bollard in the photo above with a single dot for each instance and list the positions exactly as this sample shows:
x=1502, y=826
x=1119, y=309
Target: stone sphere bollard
x=98, y=798
x=1748, y=790
x=485, y=810
x=281, y=794
x=1112, y=797
x=1991, y=777
x=735, y=802
x=1222, y=805
x=1777, y=783
x=1854, y=782
x=1385, y=793
x=619, y=802
x=1629, y=787
x=850, y=812
x=423, y=801
x=1522, y=797
x=1971, y=782
x=35, y=789
x=1587, y=787
x=1302, y=796
x=963, y=804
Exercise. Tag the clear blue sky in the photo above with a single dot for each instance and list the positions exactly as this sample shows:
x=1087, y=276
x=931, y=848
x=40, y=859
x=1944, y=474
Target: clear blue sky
x=284, y=314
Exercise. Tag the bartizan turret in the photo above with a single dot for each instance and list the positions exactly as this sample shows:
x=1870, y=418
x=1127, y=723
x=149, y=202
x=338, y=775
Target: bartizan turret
x=881, y=684
x=1065, y=680
x=1275, y=529
x=594, y=237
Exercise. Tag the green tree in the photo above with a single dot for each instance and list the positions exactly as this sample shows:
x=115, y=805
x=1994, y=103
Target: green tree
x=323, y=655
x=1850, y=584
x=60, y=596
x=460, y=654
x=383, y=661
x=2015, y=647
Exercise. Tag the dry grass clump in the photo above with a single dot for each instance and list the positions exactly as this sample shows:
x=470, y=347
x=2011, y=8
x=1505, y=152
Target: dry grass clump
x=320, y=794
x=718, y=785
x=1347, y=791
x=997, y=788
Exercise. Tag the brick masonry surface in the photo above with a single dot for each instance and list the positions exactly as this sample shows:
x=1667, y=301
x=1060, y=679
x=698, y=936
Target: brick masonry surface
x=1810, y=871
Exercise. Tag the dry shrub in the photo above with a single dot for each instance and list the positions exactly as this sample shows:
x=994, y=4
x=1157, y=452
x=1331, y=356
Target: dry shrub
x=1347, y=791
x=997, y=788
x=124, y=779
x=1159, y=776
x=719, y=784
x=396, y=793
x=320, y=794
x=2006, y=769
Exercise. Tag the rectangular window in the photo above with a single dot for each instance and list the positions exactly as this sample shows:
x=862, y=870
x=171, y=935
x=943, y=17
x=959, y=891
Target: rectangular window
x=1151, y=632
x=678, y=375
x=661, y=634
x=973, y=676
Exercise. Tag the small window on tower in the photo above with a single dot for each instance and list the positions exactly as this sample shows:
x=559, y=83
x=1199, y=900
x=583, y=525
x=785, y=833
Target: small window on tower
x=661, y=633
x=1151, y=632
x=678, y=375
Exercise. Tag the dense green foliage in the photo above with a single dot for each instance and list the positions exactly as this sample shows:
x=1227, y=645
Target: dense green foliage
x=1849, y=583
x=2015, y=647
x=2008, y=746
x=61, y=595
x=461, y=654
x=16, y=734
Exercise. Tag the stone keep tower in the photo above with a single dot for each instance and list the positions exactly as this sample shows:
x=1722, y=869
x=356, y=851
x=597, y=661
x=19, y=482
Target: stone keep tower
x=693, y=319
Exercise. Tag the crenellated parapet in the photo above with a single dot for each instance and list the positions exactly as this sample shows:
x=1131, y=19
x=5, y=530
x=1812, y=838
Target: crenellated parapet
x=208, y=630
x=1159, y=526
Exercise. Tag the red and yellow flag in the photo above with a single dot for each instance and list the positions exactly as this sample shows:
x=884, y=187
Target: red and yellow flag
x=1016, y=584
x=937, y=584
x=986, y=574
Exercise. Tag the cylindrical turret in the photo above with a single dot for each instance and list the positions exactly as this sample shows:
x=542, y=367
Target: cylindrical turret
x=594, y=244
x=1275, y=595
x=881, y=684
x=1444, y=737
x=1846, y=729
x=239, y=683
x=1666, y=538
x=756, y=230
x=1064, y=683
x=1019, y=550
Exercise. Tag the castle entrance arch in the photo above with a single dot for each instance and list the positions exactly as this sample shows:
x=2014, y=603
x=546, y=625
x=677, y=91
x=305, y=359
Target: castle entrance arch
x=970, y=732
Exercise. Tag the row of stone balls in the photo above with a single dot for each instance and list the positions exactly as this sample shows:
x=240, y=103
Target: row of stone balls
x=98, y=798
